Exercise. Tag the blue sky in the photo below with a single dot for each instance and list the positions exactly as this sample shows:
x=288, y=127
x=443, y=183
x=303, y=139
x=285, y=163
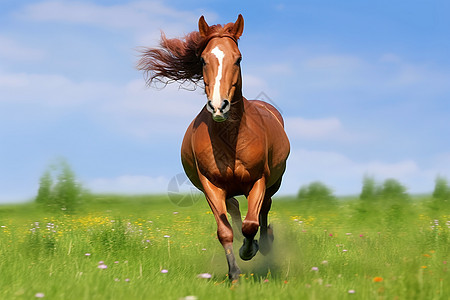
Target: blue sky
x=363, y=86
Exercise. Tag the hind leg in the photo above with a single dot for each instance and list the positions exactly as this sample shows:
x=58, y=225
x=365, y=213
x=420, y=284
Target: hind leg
x=235, y=213
x=266, y=233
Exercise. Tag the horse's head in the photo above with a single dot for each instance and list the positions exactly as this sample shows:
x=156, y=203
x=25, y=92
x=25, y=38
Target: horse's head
x=221, y=67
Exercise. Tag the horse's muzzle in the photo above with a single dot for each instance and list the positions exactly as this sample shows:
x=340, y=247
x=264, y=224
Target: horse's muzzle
x=219, y=117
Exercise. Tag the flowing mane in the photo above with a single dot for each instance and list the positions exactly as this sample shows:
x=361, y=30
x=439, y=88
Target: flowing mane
x=178, y=59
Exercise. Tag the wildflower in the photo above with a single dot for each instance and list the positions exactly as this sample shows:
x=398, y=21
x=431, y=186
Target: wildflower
x=361, y=235
x=203, y=249
x=189, y=298
x=175, y=213
x=101, y=262
x=204, y=275
x=424, y=267
x=164, y=271
x=348, y=233
x=351, y=291
x=167, y=236
x=116, y=262
x=39, y=295
x=344, y=250
x=127, y=280
x=324, y=262
x=330, y=234
x=377, y=279
x=314, y=269
x=102, y=266
x=87, y=254
x=266, y=280
x=116, y=279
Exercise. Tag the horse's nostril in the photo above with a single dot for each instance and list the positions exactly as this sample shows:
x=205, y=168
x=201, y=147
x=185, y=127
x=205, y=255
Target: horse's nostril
x=225, y=103
x=210, y=105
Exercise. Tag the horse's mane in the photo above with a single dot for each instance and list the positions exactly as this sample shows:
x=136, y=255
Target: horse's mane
x=178, y=59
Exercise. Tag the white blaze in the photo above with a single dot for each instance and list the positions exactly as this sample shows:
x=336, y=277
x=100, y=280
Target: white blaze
x=216, y=99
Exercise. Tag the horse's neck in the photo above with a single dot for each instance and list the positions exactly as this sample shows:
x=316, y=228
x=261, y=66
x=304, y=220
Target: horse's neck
x=237, y=110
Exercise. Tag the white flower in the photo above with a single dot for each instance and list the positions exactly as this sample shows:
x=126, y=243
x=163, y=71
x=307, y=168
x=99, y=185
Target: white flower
x=189, y=298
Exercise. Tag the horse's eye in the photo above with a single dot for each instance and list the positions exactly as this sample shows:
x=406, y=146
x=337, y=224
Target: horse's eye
x=202, y=61
x=238, y=61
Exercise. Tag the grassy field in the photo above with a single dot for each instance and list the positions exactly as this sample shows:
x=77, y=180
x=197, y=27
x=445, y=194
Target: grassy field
x=147, y=248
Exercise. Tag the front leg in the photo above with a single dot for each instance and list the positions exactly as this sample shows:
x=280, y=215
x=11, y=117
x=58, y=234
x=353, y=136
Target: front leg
x=216, y=199
x=250, y=224
x=235, y=213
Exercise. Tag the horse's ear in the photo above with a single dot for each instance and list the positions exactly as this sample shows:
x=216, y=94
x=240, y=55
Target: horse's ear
x=238, y=27
x=203, y=27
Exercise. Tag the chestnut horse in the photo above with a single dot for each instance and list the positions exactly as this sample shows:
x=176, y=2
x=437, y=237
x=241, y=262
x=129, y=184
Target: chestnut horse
x=234, y=146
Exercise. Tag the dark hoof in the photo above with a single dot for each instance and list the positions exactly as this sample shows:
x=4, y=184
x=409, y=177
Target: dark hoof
x=265, y=242
x=248, y=251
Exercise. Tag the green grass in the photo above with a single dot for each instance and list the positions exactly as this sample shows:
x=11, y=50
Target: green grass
x=350, y=245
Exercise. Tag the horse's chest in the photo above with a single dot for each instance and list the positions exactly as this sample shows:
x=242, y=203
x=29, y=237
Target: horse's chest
x=222, y=162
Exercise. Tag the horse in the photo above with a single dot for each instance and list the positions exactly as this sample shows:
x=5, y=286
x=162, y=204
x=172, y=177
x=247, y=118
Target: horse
x=234, y=146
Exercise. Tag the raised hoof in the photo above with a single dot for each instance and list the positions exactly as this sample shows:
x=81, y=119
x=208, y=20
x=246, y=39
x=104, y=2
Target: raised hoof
x=248, y=252
x=265, y=242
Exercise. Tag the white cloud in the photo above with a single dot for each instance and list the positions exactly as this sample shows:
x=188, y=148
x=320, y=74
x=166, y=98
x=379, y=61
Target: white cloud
x=284, y=69
x=144, y=18
x=316, y=129
x=51, y=90
x=345, y=175
x=129, y=184
x=364, y=77
x=144, y=112
x=331, y=62
x=11, y=50
x=130, y=108
x=131, y=15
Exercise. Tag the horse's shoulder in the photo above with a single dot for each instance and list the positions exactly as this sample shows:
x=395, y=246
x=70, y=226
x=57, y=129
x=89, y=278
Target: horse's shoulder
x=264, y=108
